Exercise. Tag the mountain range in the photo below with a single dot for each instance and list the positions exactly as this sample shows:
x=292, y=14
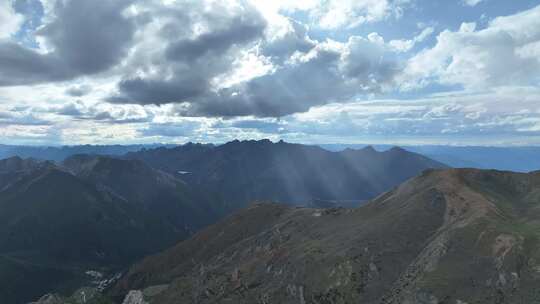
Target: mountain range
x=446, y=236
x=420, y=232
x=511, y=158
x=241, y=172
x=98, y=214
x=518, y=159
x=60, y=153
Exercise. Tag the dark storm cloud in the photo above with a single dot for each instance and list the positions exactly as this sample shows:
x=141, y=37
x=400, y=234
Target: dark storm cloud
x=326, y=75
x=307, y=72
x=19, y=65
x=239, y=30
x=194, y=61
x=156, y=91
x=185, y=49
x=294, y=40
x=90, y=37
x=86, y=38
x=294, y=88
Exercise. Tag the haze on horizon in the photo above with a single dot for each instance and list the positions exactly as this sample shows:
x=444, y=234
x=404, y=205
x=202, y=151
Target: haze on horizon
x=458, y=72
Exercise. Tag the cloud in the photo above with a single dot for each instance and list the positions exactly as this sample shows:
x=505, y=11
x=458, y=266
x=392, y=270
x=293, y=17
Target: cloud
x=471, y=2
x=147, y=71
x=238, y=30
x=30, y=135
x=84, y=39
x=175, y=130
x=503, y=53
x=191, y=59
x=103, y=112
x=337, y=14
x=10, y=21
x=407, y=45
x=22, y=119
x=193, y=68
x=329, y=72
x=351, y=13
x=78, y=90
x=290, y=37
x=484, y=115
x=449, y=117
x=216, y=59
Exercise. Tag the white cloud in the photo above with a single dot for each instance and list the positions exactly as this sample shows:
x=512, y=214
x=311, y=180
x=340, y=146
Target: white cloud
x=247, y=66
x=309, y=82
x=334, y=14
x=407, y=45
x=471, y=2
x=482, y=118
x=231, y=61
x=351, y=13
x=482, y=115
x=504, y=53
x=10, y=21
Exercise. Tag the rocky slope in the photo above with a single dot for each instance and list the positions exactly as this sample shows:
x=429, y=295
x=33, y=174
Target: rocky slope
x=240, y=172
x=447, y=236
x=90, y=213
x=55, y=226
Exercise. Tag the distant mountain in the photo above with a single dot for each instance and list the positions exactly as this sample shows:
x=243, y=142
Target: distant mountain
x=244, y=171
x=89, y=213
x=17, y=164
x=518, y=159
x=447, y=236
x=62, y=152
x=13, y=168
x=156, y=192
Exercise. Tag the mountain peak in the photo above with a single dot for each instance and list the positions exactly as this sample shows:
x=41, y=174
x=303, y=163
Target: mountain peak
x=369, y=149
x=397, y=149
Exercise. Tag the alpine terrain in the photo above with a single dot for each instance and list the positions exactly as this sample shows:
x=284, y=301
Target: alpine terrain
x=240, y=172
x=446, y=236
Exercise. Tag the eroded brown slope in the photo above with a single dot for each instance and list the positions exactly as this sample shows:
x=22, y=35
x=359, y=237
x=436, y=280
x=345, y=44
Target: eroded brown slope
x=451, y=236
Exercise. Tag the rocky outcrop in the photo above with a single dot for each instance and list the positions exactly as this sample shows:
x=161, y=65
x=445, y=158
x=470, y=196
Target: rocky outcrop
x=145, y=296
x=134, y=297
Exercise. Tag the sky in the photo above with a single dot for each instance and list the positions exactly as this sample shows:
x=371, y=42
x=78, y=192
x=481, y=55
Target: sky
x=452, y=72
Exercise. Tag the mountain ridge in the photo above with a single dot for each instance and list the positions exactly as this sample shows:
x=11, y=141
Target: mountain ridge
x=58, y=221
x=446, y=236
x=245, y=171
